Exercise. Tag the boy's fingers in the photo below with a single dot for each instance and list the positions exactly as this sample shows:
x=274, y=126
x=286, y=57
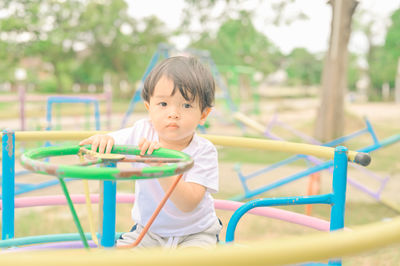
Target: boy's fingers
x=95, y=144
x=144, y=147
x=153, y=146
x=110, y=144
x=86, y=141
x=102, y=145
x=142, y=140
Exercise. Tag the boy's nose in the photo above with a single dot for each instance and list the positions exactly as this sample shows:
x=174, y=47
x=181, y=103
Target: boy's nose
x=173, y=114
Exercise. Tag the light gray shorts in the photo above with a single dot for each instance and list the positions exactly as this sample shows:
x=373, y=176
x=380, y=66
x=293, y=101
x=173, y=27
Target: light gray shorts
x=205, y=239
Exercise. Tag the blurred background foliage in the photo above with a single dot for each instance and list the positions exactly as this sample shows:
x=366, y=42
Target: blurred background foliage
x=62, y=43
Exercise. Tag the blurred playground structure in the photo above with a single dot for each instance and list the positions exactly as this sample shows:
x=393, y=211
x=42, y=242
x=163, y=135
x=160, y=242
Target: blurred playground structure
x=243, y=83
x=232, y=101
x=56, y=101
x=316, y=165
x=59, y=46
x=23, y=98
x=63, y=240
x=336, y=199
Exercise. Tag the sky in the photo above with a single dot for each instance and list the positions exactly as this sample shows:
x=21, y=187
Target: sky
x=312, y=34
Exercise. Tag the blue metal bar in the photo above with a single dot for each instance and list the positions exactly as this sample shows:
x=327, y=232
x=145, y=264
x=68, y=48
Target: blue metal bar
x=386, y=142
x=339, y=188
x=340, y=162
x=70, y=99
x=108, y=211
x=30, y=240
x=275, y=165
x=242, y=179
x=343, y=139
x=21, y=188
x=97, y=114
x=286, y=180
x=28, y=188
x=48, y=115
x=336, y=199
x=22, y=172
x=233, y=221
x=8, y=183
x=371, y=130
x=64, y=99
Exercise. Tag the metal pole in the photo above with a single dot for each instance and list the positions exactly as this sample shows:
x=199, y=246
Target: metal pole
x=21, y=94
x=108, y=210
x=339, y=188
x=339, y=193
x=8, y=184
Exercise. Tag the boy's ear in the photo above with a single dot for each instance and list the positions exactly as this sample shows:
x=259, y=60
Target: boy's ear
x=147, y=105
x=204, y=115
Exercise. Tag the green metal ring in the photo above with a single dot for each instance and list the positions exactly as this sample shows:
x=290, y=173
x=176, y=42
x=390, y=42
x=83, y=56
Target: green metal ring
x=30, y=160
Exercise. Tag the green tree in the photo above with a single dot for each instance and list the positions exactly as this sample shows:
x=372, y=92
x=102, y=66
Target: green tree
x=115, y=44
x=383, y=61
x=77, y=41
x=353, y=72
x=303, y=68
x=237, y=42
x=42, y=30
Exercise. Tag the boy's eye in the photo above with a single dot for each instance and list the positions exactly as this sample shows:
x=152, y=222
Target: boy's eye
x=163, y=104
x=187, y=105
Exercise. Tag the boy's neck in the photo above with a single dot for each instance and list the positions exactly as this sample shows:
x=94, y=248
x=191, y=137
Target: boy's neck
x=178, y=146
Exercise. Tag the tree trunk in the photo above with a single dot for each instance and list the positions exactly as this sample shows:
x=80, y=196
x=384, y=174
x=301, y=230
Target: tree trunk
x=330, y=116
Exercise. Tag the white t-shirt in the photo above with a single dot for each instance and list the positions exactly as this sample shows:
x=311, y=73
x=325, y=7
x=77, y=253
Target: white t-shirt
x=171, y=221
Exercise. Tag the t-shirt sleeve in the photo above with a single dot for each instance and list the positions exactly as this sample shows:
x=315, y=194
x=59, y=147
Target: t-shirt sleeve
x=205, y=168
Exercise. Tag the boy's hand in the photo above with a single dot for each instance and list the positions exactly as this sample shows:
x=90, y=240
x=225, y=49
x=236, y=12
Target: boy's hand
x=103, y=142
x=149, y=146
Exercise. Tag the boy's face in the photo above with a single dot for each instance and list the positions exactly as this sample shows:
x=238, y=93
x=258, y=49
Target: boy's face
x=174, y=118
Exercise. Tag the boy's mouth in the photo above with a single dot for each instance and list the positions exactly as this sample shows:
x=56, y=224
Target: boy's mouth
x=172, y=125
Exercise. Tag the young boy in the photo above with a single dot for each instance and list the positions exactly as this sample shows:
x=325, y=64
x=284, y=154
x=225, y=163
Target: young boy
x=178, y=94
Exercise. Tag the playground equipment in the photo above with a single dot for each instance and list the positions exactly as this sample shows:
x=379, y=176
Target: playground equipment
x=318, y=164
x=165, y=51
x=57, y=100
x=239, y=77
x=278, y=252
x=336, y=199
x=178, y=163
x=219, y=140
x=21, y=188
x=22, y=97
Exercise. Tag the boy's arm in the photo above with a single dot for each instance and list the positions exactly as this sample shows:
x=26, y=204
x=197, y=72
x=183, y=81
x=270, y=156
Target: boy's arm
x=186, y=195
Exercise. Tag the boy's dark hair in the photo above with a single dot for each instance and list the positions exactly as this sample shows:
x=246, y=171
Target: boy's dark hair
x=190, y=76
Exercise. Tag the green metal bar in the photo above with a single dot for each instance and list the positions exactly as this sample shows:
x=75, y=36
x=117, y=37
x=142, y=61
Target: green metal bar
x=73, y=212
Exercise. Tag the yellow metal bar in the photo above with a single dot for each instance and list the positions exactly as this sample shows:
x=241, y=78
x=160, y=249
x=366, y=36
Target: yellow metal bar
x=275, y=145
x=54, y=135
x=299, y=249
x=264, y=144
x=249, y=122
